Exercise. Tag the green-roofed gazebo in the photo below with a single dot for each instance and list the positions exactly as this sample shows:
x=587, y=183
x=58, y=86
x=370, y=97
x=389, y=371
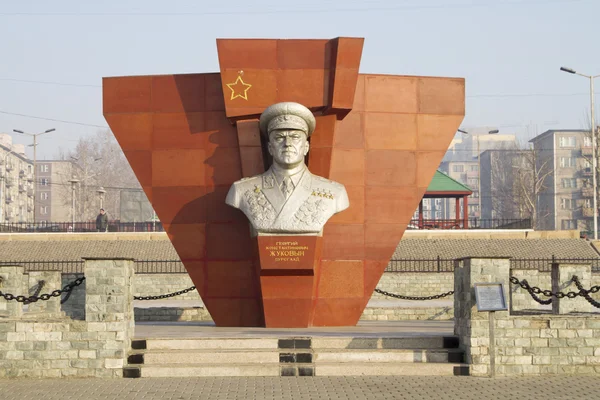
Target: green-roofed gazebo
x=444, y=187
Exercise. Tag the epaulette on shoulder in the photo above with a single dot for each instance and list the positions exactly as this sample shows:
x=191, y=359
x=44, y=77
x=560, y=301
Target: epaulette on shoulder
x=333, y=183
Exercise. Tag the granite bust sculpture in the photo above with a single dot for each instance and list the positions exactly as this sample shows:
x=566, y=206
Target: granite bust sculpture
x=287, y=198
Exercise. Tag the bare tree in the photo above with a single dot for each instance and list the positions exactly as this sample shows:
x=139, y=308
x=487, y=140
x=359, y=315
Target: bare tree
x=502, y=180
x=518, y=177
x=98, y=162
x=531, y=180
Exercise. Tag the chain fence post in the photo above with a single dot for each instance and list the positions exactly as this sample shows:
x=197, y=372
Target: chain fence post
x=555, y=285
x=11, y=282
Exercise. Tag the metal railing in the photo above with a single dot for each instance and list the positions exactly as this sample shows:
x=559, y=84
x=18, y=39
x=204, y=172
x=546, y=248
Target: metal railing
x=76, y=266
x=421, y=265
x=66, y=267
x=447, y=264
x=545, y=264
x=149, y=226
x=86, y=226
x=159, y=267
x=471, y=223
x=431, y=265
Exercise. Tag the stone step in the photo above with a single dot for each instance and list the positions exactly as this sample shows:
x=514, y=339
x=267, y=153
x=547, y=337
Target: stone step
x=272, y=343
x=414, y=342
x=206, y=343
x=382, y=369
x=220, y=356
x=226, y=356
x=325, y=369
x=186, y=371
x=389, y=356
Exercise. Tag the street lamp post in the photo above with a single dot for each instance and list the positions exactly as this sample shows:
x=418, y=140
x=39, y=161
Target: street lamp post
x=593, y=130
x=73, y=181
x=35, y=135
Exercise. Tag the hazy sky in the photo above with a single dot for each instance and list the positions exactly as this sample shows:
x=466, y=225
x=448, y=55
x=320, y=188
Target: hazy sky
x=509, y=51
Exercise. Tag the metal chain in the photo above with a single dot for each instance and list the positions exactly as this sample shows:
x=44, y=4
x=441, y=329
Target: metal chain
x=45, y=296
x=533, y=291
x=586, y=293
x=164, y=296
x=38, y=289
x=397, y=296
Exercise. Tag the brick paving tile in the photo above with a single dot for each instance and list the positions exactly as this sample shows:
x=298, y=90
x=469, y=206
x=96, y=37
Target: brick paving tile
x=360, y=387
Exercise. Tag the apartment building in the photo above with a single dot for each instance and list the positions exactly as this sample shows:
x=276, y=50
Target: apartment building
x=467, y=173
x=16, y=182
x=53, y=191
x=507, y=184
x=565, y=202
x=461, y=163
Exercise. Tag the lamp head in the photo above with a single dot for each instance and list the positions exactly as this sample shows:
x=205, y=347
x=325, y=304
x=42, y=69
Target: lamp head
x=569, y=70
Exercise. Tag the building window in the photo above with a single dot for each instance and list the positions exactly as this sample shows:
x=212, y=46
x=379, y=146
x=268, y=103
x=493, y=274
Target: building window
x=587, y=141
x=43, y=167
x=44, y=181
x=567, y=162
x=567, y=141
x=587, y=203
x=43, y=195
x=567, y=183
x=474, y=168
x=458, y=168
x=587, y=164
x=567, y=204
x=472, y=181
x=568, y=224
x=44, y=210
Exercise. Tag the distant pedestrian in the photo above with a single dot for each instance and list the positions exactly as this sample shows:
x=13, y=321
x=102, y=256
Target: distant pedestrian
x=102, y=221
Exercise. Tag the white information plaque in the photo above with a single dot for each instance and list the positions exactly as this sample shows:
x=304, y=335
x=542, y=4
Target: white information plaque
x=490, y=297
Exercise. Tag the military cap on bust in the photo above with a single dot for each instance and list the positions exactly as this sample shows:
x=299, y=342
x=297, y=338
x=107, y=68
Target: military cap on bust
x=287, y=115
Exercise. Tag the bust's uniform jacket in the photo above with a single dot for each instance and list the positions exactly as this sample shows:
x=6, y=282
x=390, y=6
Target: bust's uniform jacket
x=313, y=201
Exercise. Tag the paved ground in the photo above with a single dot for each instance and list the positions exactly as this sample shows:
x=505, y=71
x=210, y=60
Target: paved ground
x=363, y=329
x=303, y=388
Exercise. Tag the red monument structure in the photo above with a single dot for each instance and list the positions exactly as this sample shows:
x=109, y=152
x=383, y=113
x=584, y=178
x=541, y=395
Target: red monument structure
x=189, y=137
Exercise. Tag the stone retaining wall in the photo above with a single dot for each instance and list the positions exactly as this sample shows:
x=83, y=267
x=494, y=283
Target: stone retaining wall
x=539, y=345
x=408, y=314
x=409, y=284
x=37, y=345
x=415, y=283
x=564, y=343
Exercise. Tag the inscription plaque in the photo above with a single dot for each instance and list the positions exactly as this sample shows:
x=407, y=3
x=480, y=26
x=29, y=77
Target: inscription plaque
x=287, y=252
x=490, y=297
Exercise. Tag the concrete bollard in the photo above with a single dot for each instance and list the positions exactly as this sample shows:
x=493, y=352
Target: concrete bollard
x=109, y=305
x=562, y=275
x=12, y=282
x=471, y=326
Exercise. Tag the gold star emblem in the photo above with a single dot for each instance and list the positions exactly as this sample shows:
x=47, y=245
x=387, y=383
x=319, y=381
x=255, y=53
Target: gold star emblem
x=239, y=89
